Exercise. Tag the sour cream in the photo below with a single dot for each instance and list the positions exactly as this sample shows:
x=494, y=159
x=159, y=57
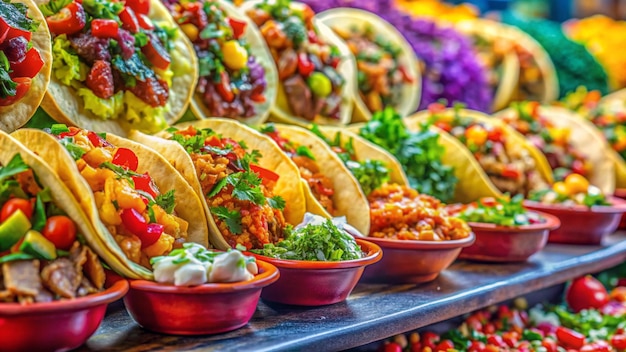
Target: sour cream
x=194, y=265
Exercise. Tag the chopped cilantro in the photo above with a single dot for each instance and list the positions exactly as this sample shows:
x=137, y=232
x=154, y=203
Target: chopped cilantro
x=53, y=7
x=132, y=69
x=7, y=85
x=120, y=171
x=103, y=8
x=167, y=201
x=231, y=217
x=14, y=167
x=75, y=151
x=15, y=16
x=276, y=202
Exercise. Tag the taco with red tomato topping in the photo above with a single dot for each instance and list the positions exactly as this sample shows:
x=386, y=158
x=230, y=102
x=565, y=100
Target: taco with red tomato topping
x=387, y=68
x=316, y=72
x=117, y=65
x=489, y=157
x=25, y=62
x=238, y=78
x=138, y=204
x=251, y=192
x=330, y=187
x=570, y=144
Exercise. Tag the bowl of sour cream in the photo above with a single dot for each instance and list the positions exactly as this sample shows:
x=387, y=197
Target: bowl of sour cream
x=198, y=291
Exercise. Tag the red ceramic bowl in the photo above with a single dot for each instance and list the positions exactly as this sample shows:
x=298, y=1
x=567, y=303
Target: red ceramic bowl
x=56, y=326
x=312, y=283
x=413, y=262
x=580, y=224
x=621, y=193
x=198, y=310
x=507, y=243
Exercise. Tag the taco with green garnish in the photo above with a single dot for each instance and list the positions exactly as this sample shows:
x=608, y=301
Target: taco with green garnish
x=316, y=72
x=137, y=204
x=25, y=62
x=574, y=190
x=117, y=65
x=237, y=76
x=387, y=68
x=250, y=190
x=330, y=188
x=503, y=211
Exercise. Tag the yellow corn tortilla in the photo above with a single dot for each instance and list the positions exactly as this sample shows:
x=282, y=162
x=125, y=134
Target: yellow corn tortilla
x=289, y=186
x=584, y=137
x=473, y=181
x=509, y=67
x=281, y=112
x=348, y=200
x=64, y=105
x=16, y=115
x=342, y=20
x=188, y=205
x=259, y=50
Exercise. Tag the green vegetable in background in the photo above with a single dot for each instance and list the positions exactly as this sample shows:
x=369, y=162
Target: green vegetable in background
x=505, y=212
x=419, y=153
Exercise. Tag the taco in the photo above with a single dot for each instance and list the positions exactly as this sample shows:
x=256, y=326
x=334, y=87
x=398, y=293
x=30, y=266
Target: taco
x=489, y=157
x=387, y=68
x=570, y=144
x=25, y=62
x=238, y=78
x=139, y=206
x=117, y=66
x=497, y=54
x=40, y=226
x=330, y=188
x=250, y=190
x=316, y=72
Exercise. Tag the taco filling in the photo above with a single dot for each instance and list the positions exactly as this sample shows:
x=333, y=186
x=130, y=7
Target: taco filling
x=307, y=66
x=40, y=256
x=613, y=127
x=114, y=57
x=320, y=184
x=231, y=80
x=511, y=168
x=380, y=75
x=553, y=141
x=20, y=61
x=138, y=215
x=574, y=190
x=237, y=191
x=492, y=53
x=530, y=84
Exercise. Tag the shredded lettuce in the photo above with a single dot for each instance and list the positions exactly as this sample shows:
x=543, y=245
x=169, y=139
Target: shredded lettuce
x=66, y=66
x=103, y=108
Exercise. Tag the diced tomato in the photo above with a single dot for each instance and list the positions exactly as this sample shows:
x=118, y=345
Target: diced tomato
x=8, y=32
x=334, y=62
x=29, y=66
x=71, y=19
x=406, y=76
x=618, y=341
x=96, y=140
x=140, y=7
x=392, y=347
x=153, y=92
x=495, y=134
x=151, y=235
x=429, y=339
x=305, y=66
x=23, y=85
x=436, y=108
x=265, y=174
x=145, y=22
x=145, y=183
x=496, y=340
x=15, y=204
x=444, y=345
x=489, y=328
x=104, y=28
x=550, y=345
x=213, y=141
x=100, y=79
x=134, y=222
x=61, y=231
x=4, y=30
x=258, y=98
x=510, y=171
x=476, y=346
x=126, y=158
x=129, y=20
x=156, y=54
x=239, y=27
x=312, y=37
x=223, y=88
x=570, y=338
x=73, y=131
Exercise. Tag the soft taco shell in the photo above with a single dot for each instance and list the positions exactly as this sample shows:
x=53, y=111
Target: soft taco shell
x=349, y=200
x=474, y=183
x=188, y=206
x=366, y=150
x=510, y=66
x=289, y=186
x=281, y=112
x=343, y=19
x=16, y=115
x=586, y=138
x=616, y=102
x=263, y=56
x=63, y=104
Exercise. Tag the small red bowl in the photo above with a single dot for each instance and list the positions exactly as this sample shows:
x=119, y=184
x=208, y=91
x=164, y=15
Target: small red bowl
x=56, y=326
x=580, y=224
x=313, y=283
x=621, y=194
x=198, y=310
x=503, y=244
x=413, y=262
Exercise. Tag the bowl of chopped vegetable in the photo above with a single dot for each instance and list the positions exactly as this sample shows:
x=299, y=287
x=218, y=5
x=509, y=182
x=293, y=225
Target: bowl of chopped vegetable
x=587, y=216
x=505, y=231
x=199, y=291
x=319, y=263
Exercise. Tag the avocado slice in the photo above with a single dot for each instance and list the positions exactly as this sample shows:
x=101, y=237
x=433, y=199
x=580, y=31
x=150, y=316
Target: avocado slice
x=13, y=229
x=35, y=244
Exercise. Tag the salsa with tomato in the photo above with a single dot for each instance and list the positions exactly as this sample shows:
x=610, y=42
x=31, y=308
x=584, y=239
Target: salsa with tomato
x=20, y=60
x=232, y=81
x=237, y=190
x=140, y=217
x=115, y=57
x=307, y=66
